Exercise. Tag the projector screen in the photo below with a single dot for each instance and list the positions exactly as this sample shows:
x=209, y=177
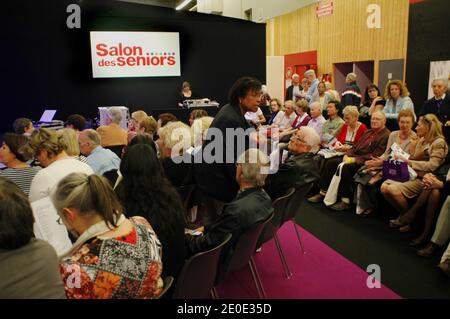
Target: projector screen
x=135, y=54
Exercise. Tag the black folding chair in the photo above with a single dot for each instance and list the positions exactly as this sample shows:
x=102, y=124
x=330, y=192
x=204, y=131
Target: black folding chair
x=198, y=274
x=168, y=281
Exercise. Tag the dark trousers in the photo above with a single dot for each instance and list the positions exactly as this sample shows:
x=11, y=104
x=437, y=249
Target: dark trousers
x=347, y=181
x=329, y=168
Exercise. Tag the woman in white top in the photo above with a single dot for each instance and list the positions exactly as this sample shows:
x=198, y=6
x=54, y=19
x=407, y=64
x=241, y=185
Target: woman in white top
x=284, y=120
x=49, y=151
x=256, y=118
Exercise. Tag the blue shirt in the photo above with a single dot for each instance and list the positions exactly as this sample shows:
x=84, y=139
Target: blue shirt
x=102, y=160
x=392, y=110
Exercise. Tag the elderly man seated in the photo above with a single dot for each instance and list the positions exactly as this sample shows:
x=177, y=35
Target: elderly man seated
x=112, y=134
x=101, y=160
x=299, y=168
x=251, y=206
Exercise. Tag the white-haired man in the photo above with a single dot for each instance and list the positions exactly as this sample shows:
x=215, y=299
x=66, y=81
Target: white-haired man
x=299, y=168
x=101, y=160
x=113, y=134
x=439, y=104
x=293, y=92
x=251, y=206
x=313, y=93
x=352, y=93
x=317, y=119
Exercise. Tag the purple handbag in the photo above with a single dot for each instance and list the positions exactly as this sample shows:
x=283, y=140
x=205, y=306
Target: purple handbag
x=395, y=170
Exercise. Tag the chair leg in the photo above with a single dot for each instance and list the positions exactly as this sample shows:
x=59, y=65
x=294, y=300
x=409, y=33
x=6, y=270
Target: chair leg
x=298, y=236
x=214, y=293
x=287, y=271
x=257, y=279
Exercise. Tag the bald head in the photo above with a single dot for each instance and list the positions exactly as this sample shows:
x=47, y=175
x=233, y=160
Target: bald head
x=378, y=120
x=88, y=141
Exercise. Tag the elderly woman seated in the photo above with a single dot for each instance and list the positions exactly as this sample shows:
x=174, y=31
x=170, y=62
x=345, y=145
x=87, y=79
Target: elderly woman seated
x=175, y=139
x=284, y=119
x=370, y=175
x=109, y=246
x=372, y=144
x=302, y=119
x=426, y=156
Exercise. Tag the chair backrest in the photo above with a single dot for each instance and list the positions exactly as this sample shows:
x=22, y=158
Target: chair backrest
x=245, y=247
x=279, y=206
x=293, y=207
x=198, y=274
x=168, y=281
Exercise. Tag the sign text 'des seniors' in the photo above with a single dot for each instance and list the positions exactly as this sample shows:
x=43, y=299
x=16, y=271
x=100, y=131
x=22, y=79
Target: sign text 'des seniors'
x=135, y=54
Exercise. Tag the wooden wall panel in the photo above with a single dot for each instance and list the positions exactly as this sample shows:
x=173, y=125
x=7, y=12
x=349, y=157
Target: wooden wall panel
x=343, y=36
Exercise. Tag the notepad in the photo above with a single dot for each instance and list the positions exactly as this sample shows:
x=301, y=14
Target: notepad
x=46, y=226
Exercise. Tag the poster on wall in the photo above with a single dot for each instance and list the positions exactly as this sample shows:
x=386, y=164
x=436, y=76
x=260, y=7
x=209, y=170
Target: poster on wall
x=135, y=54
x=438, y=70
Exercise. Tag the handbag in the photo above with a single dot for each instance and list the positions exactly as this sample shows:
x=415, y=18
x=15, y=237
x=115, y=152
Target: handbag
x=395, y=170
x=332, y=192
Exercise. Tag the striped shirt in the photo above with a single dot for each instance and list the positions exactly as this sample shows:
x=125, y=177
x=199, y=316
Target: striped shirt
x=21, y=176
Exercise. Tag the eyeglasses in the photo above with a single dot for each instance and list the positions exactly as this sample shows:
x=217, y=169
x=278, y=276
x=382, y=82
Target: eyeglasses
x=59, y=221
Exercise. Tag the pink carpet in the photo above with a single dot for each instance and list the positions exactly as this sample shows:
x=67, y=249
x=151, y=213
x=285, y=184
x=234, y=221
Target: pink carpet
x=320, y=273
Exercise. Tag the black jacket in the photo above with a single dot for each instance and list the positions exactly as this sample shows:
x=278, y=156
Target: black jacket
x=441, y=109
x=180, y=174
x=250, y=207
x=297, y=171
x=218, y=179
x=290, y=93
x=351, y=95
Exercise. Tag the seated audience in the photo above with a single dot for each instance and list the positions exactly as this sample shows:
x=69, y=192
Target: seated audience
x=302, y=119
x=251, y=206
x=439, y=104
x=275, y=107
x=112, y=134
x=133, y=123
x=76, y=122
x=199, y=129
x=330, y=90
x=49, y=151
x=196, y=114
x=284, y=119
x=323, y=97
x=397, y=99
x=69, y=140
x=333, y=125
x=372, y=144
x=100, y=159
x=404, y=138
x=256, y=118
x=371, y=96
x=299, y=168
x=438, y=187
x=116, y=257
x=317, y=119
x=28, y=266
x=147, y=125
x=352, y=93
x=145, y=191
x=14, y=156
x=175, y=139
x=426, y=156
x=351, y=131
x=23, y=126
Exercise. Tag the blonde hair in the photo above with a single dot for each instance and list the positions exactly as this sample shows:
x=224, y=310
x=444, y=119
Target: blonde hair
x=45, y=139
x=69, y=141
x=149, y=124
x=200, y=125
x=302, y=104
x=253, y=162
x=403, y=90
x=435, y=127
x=352, y=111
x=90, y=194
x=175, y=132
x=406, y=113
x=138, y=115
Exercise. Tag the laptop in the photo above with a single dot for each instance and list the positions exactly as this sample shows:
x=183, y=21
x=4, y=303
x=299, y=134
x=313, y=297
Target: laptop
x=47, y=116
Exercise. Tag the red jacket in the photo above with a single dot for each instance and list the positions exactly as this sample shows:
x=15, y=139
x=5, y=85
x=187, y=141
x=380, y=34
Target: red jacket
x=343, y=133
